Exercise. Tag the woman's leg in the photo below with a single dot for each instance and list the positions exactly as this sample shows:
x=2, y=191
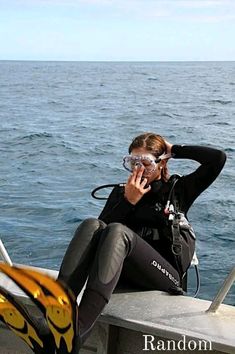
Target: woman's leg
x=147, y=269
x=80, y=254
x=119, y=243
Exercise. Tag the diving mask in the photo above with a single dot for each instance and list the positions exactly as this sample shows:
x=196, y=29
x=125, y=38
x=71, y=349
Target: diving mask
x=149, y=161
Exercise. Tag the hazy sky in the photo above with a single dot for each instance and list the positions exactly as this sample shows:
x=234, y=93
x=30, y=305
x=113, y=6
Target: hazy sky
x=117, y=29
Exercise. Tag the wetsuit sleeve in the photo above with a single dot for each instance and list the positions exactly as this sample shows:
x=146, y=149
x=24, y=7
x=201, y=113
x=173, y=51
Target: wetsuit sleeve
x=117, y=208
x=211, y=163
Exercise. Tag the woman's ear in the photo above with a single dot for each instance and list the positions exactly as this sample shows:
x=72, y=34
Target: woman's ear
x=163, y=164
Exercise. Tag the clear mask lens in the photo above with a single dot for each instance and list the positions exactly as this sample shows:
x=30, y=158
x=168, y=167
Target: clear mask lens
x=130, y=162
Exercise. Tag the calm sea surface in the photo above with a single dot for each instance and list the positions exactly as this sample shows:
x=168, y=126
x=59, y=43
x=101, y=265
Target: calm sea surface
x=65, y=126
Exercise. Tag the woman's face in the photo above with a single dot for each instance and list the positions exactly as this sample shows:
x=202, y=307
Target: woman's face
x=152, y=169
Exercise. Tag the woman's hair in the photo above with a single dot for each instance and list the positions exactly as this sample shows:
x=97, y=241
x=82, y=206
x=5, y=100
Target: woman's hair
x=153, y=143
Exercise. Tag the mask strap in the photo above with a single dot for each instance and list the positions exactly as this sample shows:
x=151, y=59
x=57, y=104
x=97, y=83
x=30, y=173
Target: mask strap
x=164, y=156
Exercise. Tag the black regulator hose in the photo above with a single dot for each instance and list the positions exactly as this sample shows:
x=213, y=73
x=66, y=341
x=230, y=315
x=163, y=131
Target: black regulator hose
x=93, y=193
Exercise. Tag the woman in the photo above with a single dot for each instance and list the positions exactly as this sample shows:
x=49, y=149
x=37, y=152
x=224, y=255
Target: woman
x=129, y=243
x=128, y=239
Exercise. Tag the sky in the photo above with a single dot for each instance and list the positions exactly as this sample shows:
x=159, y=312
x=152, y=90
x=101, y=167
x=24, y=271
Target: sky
x=117, y=30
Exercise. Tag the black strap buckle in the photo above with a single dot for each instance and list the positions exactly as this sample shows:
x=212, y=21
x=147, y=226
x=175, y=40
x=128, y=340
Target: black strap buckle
x=176, y=249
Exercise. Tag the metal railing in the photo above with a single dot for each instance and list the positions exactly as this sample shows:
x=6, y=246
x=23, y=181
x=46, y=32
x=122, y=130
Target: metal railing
x=222, y=292
x=4, y=255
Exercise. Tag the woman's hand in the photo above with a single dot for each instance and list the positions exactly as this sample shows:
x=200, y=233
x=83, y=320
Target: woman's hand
x=168, y=147
x=135, y=188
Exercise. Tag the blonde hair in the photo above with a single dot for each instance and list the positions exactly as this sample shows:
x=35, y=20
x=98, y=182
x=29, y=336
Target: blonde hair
x=155, y=144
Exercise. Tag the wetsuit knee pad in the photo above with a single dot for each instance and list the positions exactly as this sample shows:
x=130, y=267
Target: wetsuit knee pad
x=116, y=228
x=80, y=249
x=91, y=224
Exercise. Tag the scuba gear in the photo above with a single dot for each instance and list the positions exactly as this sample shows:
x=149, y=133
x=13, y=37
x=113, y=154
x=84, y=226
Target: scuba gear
x=104, y=186
x=180, y=229
x=177, y=231
x=56, y=303
x=149, y=161
x=131, y=161
x=35, y=334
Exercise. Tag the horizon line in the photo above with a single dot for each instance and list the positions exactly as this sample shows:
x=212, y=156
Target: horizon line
x=117, y=61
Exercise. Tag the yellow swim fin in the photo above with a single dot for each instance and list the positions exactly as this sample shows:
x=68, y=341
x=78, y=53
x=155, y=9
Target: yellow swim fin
x=57, y=303
x=16, y=317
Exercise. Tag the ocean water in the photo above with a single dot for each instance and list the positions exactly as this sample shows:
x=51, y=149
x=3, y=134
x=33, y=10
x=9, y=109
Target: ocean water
x=65, y=126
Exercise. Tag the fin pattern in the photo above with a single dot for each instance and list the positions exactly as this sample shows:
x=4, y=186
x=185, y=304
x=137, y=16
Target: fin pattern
x=55, y=301
x=16, y=318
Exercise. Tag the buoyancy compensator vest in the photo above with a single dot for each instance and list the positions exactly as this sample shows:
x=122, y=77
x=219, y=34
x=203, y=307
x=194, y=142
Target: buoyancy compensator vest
x=179, y=232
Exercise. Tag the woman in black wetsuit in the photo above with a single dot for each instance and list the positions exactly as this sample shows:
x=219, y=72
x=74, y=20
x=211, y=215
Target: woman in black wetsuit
x=127, y=241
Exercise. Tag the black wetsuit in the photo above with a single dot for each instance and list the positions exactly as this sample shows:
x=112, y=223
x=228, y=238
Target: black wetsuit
x=127, y=242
